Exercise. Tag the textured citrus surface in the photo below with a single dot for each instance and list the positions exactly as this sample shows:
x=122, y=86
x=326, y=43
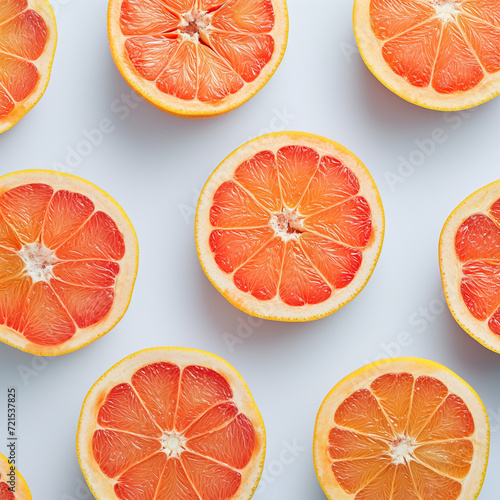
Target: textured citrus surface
x=61, y=257
x=402, y=434
x=175, y=429
x=449, y=47
x=291, y=224
x=27, y=44
x=20, y=490
x=470, y=249
x=198, y=54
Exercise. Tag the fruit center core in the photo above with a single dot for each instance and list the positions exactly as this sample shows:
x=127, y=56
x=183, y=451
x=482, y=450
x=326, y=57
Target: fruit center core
x=38, y=261
x=402, y=450
x=446, y=9
x=288, y=224
x=193, y=23
x=173, y=444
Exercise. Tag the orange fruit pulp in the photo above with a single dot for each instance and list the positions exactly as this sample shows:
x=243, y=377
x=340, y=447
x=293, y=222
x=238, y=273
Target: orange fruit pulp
x=470, y=265
x=172, y=424
x=27, y=46
x=403, y=429
x=290, y=224
x=9, y=475
x=61, y=258
x=436, y=53
x=197, y=57
x=477, y=244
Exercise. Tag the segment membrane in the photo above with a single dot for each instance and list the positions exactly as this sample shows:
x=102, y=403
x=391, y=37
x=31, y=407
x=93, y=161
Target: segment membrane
x=147, y=17
x=24, y=36
x=232, y=248
x=390, y=18
x=300, y=282
x=412, y=55
x=457, y=67
x=437, y=424
x=260, y=275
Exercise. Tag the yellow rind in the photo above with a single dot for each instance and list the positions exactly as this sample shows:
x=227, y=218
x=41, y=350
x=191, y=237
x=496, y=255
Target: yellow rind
x=178, y=107
x=22, y=490
x=474, y=203
x=257, y=421
x=14, y=339
x=46, y=60
x=381, y=367
x=241, y=303
x=434, y=101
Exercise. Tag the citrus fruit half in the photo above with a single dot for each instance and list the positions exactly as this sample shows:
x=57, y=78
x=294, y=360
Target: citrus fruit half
x=289, y=227
x=9, y=473
x=439, y=54
x=469, y=256
x=171, y=424
x=28, y=38
x=197, y=58
x=68, y=262
x=401, y=429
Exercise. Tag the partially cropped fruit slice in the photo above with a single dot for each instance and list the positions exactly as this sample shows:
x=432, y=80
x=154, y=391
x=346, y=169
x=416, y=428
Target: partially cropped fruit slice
x=12, y=484
x=469, y=256
x=402, y=429
x=171, y=424
x=68, y=259
x=289, y=227
x=439, y=54
x=28, y=37
x=197, y=58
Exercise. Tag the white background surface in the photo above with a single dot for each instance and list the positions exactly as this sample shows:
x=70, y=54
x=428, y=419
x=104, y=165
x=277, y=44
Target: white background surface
x=154, y=165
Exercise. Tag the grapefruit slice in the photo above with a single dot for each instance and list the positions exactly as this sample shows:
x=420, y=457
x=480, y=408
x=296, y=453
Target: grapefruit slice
x=9, y=473
x=68, y=258
x=28, y=38
x=171, y=424
x=439, y=54
x=289, y=227
x=402, y=429
x=197, y=58
x=469, y=256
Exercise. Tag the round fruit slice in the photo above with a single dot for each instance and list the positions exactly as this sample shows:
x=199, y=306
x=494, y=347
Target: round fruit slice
x=469, y=256
x=28, y=39
x=197, y=58
x=439, y=54
x=289, y=227
x=68, y=262
x=402, y=429
x=12, y=484
x=171, y=424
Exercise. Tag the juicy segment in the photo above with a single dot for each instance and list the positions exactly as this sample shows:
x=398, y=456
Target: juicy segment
x=23, y=36
x=201, y=51
x=449, y=45
x=303, y=261
x=59, y=261
x=215, y=442
x=403, y=438
x=477, y=244
x=5, y=491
